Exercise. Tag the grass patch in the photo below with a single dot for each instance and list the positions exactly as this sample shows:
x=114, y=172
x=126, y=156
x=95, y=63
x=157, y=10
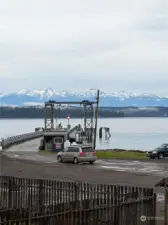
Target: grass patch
x=47, y=152
x=112, y=154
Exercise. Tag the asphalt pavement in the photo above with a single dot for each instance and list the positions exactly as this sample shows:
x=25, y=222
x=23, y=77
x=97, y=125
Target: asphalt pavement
x=29, y=151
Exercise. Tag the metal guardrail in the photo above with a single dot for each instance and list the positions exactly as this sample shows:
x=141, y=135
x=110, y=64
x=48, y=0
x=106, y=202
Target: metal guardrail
x=8, y=142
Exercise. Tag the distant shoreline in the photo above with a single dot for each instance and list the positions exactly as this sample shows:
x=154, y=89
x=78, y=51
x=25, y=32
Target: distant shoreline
x=78, y=113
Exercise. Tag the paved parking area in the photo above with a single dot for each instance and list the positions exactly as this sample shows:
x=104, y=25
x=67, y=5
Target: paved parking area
x=149, y=167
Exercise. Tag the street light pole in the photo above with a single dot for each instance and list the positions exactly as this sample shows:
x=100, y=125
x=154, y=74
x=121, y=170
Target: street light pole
x=96, y=117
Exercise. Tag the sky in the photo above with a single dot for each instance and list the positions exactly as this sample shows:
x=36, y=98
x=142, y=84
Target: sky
x=82, y=44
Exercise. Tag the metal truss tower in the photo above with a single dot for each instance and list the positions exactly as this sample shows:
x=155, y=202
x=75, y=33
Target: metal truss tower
x=90, y=128
x=49, y=116
x=88, y=122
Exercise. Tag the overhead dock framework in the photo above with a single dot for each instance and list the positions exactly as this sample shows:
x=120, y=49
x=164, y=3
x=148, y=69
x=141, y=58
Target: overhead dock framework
x=91, y=109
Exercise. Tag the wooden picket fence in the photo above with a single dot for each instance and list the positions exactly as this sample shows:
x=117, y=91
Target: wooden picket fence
x=47, y=202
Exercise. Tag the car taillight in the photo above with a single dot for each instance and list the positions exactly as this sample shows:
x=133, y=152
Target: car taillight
x=82, y=153
x=94, y=153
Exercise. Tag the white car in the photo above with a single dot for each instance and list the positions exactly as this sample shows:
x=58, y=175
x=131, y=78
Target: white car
x=77, y=154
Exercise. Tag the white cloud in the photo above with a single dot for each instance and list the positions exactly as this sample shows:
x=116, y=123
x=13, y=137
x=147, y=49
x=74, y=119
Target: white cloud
x=90, y=39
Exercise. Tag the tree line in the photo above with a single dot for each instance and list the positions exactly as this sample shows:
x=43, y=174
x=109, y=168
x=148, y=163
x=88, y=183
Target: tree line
x=34, y=112
x=108, y=112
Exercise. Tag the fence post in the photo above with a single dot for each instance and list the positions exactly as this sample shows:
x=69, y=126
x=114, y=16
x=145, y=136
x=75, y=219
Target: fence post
x=40, y=193
x=42, y=200
x=29, y=220
x=29, y=200
x=166, y=206
x=76, y=192
x=154, y=207
x=41, y=203
x=116, y=196
x=10, y=193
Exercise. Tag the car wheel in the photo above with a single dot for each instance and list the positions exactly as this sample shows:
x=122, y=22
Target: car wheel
x=160, y=156
x=59, y=159
x=152, y=157
x=75, y=160
x=91, y=162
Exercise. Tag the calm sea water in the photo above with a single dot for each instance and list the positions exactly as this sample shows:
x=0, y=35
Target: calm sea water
x=127, y=133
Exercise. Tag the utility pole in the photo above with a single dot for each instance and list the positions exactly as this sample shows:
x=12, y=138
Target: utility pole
x=96, y=116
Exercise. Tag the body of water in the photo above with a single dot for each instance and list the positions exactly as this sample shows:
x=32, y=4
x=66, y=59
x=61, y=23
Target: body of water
x=126, y=133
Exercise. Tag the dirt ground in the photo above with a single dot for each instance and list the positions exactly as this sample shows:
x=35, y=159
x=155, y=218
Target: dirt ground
x=70, y=172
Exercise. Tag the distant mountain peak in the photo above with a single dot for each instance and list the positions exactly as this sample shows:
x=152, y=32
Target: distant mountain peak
x=52, y=92
x=22, y=91
x=116, y=99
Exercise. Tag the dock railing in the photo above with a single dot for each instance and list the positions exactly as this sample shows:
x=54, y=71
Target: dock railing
x=17, y=139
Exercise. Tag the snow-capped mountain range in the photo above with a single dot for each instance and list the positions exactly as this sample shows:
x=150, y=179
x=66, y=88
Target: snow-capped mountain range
x=116, y=99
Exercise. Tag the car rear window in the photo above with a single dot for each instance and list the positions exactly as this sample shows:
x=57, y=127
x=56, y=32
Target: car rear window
x=87, y=150
x=73, y=149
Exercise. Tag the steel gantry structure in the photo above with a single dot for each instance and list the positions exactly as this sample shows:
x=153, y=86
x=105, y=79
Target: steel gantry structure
x=90, y=115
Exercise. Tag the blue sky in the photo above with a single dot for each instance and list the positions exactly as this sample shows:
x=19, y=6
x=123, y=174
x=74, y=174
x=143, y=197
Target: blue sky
x=107, y=44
